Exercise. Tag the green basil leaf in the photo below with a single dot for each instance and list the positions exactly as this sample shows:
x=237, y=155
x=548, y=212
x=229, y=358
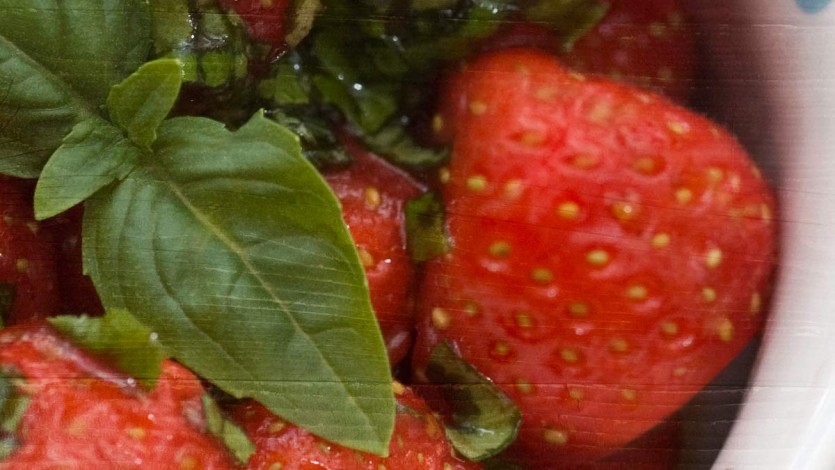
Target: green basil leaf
x=484, y=420
x=426, y=237
x=232, y=248
x=118, y=337
x=228, y=432
x=572, y=18
x=59, y=60
x=141, y=102
x=92, y=156
x=397, y=145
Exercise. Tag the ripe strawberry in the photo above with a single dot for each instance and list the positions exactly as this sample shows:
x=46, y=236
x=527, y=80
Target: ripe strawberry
x=646, y=43
x=28, y=285
x=82, y=415
x=611, y=251
x=418, y=442
x=265, y=20
x=77, y=293
x=373, y=195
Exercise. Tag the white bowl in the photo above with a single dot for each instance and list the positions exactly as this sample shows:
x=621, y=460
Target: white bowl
x=771, y=79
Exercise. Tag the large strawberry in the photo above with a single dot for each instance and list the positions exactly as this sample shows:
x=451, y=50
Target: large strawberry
x=373, y=195
x=647, y=43
x=28, y=284
x=418, y=442
x=611, y=251
x=82, y=415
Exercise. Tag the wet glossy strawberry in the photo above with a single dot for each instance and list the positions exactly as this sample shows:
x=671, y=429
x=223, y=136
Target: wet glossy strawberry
x=265, y=20
x=28, y=284
x=647, y=43
x=418, y=442
x=373, y=195
x=611, y=251
x=82, y=415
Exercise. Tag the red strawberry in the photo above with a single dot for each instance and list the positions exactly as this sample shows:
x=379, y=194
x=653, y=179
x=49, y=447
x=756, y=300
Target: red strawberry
x=373, y=195
x=78, y=295
x=418, y=442
x=647, y=43
x=82, y=415
x=28, y=285
x=265, y=20
x=611, y=251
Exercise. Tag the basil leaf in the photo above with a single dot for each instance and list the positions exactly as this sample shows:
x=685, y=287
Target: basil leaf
x=572, y=18
x=12, y=407
x=232, y=248
x=119, y=337
x=398, y=147
x=426, y=237
x=484, y=420
x=59, y=60
x=92, y=156
x=141, y=102
x=228, y=432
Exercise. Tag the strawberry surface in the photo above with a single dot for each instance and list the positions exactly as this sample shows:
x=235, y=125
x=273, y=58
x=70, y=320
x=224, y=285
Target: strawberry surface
x=418, y=442
x=28, y=279
x=373, y=195
x=265, y=20
x=82, y=415
x=647, y=43
x=611, y=251
x=77, y=293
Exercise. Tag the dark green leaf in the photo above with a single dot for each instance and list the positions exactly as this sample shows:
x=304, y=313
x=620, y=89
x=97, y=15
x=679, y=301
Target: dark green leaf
x=484, y=420
x=7, y=295
x=232, y=248
x=12, y=407
x=425, y=234
x=59, y=60
x=571, y=18
x=396, y=145
x=140, y=103
x=228, y=432
x=92, y=156
x=119, y=337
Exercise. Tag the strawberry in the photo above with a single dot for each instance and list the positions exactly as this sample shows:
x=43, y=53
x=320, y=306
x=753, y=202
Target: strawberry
x=418, y=442
x=373, y=194
x=265, y=20
x=28, y=284
x=78, y=295
x=647, y=43
x=611, y=251
x=83, y=415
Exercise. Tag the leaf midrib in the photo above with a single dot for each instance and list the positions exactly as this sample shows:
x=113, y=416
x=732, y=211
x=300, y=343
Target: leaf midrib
x=239, y=252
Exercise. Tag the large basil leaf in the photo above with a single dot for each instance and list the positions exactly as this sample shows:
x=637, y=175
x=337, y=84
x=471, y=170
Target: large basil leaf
x=58, y=60
x=231, y=248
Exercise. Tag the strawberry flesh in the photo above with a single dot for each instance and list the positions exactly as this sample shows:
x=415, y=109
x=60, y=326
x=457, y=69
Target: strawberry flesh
x=612, y=251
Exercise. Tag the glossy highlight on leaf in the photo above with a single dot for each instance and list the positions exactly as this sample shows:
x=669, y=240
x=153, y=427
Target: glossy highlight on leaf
x=231, y=247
